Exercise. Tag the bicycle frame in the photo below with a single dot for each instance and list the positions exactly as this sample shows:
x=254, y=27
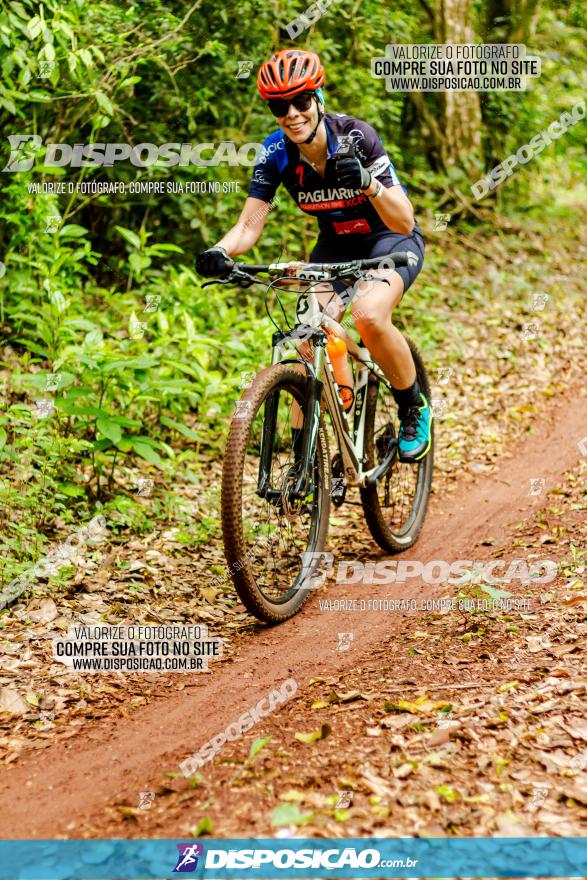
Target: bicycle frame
x=321, y=382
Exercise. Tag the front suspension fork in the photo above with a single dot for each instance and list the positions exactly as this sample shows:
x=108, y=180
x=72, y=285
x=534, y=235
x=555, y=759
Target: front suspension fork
x=311, y=423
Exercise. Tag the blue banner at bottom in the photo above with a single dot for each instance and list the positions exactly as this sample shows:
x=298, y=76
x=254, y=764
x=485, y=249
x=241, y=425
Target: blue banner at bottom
x=293, y=857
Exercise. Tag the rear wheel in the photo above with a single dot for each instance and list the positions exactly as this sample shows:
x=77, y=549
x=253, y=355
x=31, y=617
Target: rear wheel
x=396, y=506
x=273, y=544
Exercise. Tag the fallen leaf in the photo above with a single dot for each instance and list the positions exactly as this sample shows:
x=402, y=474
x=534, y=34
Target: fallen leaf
x=509, y=825
x=257, y=745
x=577, y=729
x=289, y=814
x=537, y=643
x=321, y=733
x=420, y=706
x=576, y=790
x=439, y=737
x=12, y=702
x=203, y=827
x=292, y=795
x=376, y=784
x=45, y=613
x=403, y=771
x=448, y=795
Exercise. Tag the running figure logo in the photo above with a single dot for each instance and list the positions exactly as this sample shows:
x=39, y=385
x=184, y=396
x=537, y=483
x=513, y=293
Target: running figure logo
x=187, y=861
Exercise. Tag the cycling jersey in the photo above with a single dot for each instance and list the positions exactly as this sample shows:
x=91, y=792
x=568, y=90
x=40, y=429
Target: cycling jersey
x=339, y=210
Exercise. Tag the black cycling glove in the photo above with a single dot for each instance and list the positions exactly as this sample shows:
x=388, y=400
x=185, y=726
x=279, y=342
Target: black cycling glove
x=213, y=262
x=351, y=173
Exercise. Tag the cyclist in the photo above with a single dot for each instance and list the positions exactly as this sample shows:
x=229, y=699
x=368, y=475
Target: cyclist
x=362, y=210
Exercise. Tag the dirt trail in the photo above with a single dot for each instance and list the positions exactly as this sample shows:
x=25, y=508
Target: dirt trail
x=71, y=782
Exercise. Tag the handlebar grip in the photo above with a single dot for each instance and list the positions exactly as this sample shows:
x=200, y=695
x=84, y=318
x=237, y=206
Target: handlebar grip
x=397, y=259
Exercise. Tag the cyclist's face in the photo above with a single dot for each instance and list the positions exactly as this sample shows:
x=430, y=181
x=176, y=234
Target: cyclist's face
x=298, y=125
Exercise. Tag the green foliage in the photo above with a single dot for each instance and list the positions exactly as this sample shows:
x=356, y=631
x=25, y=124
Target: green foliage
x=103, y=321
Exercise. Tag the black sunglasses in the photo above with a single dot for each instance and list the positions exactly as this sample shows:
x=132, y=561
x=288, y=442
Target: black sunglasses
x=280, y=106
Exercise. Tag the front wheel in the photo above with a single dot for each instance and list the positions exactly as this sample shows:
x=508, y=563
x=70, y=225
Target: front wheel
x=396, y=506
x=273, y=543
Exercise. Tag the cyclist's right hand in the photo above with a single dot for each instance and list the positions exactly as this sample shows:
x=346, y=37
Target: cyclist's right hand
x=213, y=262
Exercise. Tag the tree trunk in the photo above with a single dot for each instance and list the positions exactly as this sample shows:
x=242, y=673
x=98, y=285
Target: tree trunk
x=460, y=111
x=511, y=21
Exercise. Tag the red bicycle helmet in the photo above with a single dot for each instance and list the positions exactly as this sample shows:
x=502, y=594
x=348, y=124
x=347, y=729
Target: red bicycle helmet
x=289, y=72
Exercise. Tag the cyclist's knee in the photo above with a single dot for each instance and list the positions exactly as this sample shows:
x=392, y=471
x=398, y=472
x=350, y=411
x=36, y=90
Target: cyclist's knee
x=368, y=319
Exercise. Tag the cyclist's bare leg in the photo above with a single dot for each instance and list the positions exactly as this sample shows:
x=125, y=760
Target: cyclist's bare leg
x=372, y=309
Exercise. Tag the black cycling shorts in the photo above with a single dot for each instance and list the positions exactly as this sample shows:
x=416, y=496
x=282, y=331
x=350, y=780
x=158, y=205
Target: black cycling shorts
x=363, y=247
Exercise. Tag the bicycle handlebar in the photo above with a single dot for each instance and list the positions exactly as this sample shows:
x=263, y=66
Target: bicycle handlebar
x=243, y=273
x=390, y=261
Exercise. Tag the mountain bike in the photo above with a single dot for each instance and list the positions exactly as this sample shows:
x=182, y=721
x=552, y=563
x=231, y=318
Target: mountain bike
x=276, y=496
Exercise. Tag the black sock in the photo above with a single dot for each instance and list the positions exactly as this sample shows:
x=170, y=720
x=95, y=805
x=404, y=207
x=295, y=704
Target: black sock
x=407, y=397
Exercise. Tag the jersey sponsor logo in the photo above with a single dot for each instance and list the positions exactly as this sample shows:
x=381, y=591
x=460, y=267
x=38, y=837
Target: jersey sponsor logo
x=265, y=152
x=379, y=165
x=338, y=203
x=355, y=135
x=259, y=177
x=324, y=195
x=351, y=227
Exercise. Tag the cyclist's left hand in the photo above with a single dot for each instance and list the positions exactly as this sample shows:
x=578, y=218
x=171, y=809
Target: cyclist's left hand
x=213, y=263
x=351, y=173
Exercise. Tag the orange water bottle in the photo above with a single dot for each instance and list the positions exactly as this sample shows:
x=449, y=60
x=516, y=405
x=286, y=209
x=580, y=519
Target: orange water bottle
x=337, y=352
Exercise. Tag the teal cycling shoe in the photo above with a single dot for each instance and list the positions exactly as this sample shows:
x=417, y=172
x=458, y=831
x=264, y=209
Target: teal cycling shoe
x=415, y=432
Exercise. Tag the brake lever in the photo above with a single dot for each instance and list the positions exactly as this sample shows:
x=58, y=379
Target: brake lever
x=240, y=278
x=244, y=280
x=215, y=281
